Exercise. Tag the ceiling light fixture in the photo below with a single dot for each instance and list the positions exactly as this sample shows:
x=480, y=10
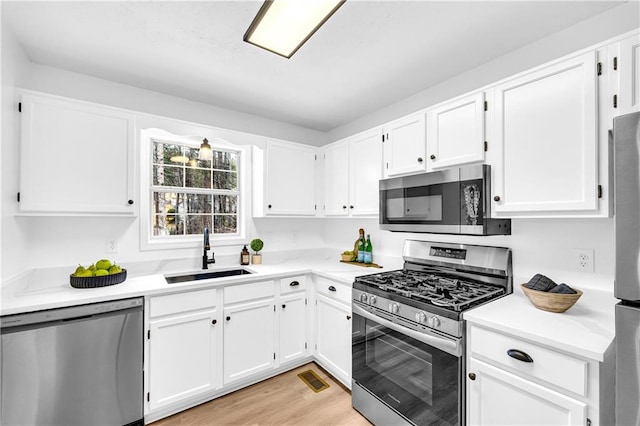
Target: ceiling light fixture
x=283, y=26
x=180, y=159
x=205, y=152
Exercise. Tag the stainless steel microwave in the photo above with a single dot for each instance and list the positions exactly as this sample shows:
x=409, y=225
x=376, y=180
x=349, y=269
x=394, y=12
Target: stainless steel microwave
x=451, y=201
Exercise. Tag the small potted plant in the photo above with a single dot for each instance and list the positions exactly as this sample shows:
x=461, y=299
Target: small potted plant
x=256, y=246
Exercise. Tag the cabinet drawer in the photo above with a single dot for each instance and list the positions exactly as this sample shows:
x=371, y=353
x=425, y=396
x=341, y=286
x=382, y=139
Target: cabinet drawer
x=251, y=291
x=553, y=367
x=291, y=284
x=334, y=290
x=182, y=302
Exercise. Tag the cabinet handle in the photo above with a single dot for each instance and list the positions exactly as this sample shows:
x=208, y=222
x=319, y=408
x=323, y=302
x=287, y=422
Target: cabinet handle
x=519, y=355
x=496, y=198
x=294, y=283
x=332, y=288
x=228, y=318
x=130, y=202
x=214, y=322
x=348, y=317
x=350, y=207
x=472, y=376
x=269, y=206
x=420, y=160
x=432, y=156
x=284, y=306
x=344, y=207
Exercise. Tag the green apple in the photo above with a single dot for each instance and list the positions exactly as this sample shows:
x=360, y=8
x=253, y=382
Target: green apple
x=101, y=272
x=115, y=269
x=103, y=264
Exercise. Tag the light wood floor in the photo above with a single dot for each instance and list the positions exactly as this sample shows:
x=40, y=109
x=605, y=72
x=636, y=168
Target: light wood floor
x=281, y=400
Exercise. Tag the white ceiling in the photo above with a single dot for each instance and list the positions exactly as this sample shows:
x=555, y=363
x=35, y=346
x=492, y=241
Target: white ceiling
x=368, y=55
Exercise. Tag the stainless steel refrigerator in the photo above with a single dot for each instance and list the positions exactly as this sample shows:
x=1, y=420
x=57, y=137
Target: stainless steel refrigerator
x=626, y=142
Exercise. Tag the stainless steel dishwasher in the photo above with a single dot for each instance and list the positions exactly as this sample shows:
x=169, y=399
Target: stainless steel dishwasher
x=80, y=365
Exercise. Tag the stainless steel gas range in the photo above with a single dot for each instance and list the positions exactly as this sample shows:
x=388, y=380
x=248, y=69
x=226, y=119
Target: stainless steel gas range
x=408, y=331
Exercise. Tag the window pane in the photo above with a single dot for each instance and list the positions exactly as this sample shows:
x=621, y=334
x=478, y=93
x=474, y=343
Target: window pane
x=225, y=160
x=225, y=203
x=225, y=180
x=192, y=155
x=225, y=224
x=163, y=152
x=197, y=223
x=197, y=178
x=168, y=225
x=168, y=175
x=198, y=203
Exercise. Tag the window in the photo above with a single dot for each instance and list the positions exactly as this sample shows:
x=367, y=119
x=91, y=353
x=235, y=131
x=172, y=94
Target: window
x=188, y=194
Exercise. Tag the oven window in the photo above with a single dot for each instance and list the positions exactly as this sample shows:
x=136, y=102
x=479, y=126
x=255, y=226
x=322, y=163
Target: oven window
x=419, y=381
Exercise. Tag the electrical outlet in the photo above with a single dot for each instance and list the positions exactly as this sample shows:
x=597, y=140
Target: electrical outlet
x=584, y=260
x=111, y=246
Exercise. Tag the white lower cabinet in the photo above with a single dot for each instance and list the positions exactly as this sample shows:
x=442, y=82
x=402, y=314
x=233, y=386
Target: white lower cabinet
x=497, y=397
x=184, y=347
x=515, y=381
x=293, y=327
x=249, y=331
x=333, y=334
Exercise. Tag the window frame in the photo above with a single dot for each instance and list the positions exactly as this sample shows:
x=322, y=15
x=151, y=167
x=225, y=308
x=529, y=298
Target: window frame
x=148, y=241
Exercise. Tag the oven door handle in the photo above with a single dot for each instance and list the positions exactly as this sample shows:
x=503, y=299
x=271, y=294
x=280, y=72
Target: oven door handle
x=449, y=346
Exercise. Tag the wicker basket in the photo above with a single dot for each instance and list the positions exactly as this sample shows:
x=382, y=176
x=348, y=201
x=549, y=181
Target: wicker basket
x=551, y=302
x=348, y=257
x=101, y=281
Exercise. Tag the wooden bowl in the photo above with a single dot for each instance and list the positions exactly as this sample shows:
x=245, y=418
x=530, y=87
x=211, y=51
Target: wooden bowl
x=551, y=302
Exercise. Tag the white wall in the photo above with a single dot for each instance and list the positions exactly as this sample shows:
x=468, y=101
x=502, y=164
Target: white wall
x=607, y=25
x=543, y=246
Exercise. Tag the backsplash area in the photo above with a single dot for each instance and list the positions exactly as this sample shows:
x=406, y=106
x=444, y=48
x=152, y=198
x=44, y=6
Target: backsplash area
x=546, y=246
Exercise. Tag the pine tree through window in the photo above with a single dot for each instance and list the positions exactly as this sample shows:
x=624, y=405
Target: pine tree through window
x=189, y=194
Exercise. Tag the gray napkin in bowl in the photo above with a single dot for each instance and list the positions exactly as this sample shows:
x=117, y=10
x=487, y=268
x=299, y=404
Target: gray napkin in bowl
x=541, y=283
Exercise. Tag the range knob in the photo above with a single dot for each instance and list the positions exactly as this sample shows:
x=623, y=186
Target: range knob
x=434, y=322
x=372, y=299
x=364, y=297
x=394, y=308
x=421, y=317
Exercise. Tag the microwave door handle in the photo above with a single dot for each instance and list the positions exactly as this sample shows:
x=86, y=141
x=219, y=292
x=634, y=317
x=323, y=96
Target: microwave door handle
x=450, y=346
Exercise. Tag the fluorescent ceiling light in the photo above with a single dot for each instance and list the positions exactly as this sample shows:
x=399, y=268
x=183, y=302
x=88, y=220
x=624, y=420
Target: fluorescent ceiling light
x=283, y=26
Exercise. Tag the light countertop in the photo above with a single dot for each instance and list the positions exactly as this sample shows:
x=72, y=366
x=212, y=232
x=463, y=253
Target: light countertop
x=586, y=329
x=49, y=288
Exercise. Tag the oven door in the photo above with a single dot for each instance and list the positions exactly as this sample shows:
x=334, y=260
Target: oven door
x=415, y=379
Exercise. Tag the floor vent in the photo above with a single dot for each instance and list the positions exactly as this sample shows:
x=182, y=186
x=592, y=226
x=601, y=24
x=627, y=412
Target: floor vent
x=312, y=380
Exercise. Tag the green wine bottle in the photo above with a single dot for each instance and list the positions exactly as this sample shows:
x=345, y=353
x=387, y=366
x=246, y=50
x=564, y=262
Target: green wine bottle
x=368, y=251
x=361, y=249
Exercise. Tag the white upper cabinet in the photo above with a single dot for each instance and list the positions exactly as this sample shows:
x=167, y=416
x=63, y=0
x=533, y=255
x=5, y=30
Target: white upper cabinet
x=546, y=131
x=336, y=179
x=284, y=180
x=404, y=145
x=352, y=169
x=365, y=170
x=456, y=132
x=76, y=157
x=628, y=63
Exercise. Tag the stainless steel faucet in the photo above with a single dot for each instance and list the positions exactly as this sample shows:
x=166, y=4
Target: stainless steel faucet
x=205, y=258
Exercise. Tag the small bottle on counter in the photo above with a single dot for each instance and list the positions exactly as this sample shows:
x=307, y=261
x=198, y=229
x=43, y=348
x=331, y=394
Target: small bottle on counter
x=244, y=256
x=361, y=248
x=368, y=251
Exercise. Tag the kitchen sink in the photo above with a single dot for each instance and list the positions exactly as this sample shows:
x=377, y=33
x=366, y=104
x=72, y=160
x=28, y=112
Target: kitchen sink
x=197, y=276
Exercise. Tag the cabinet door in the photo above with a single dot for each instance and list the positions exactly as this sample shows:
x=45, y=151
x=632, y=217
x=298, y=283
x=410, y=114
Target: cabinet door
x=290, y=179
x=496, y=397
x=629, y=66
x=365, y=171
x=333, y=338
x=183, y=357
x=404, y=145
x=76, y=157
x=456, y=132
x=546, y=131
x=249, y=339
x=293, y=327
x=336, y=179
